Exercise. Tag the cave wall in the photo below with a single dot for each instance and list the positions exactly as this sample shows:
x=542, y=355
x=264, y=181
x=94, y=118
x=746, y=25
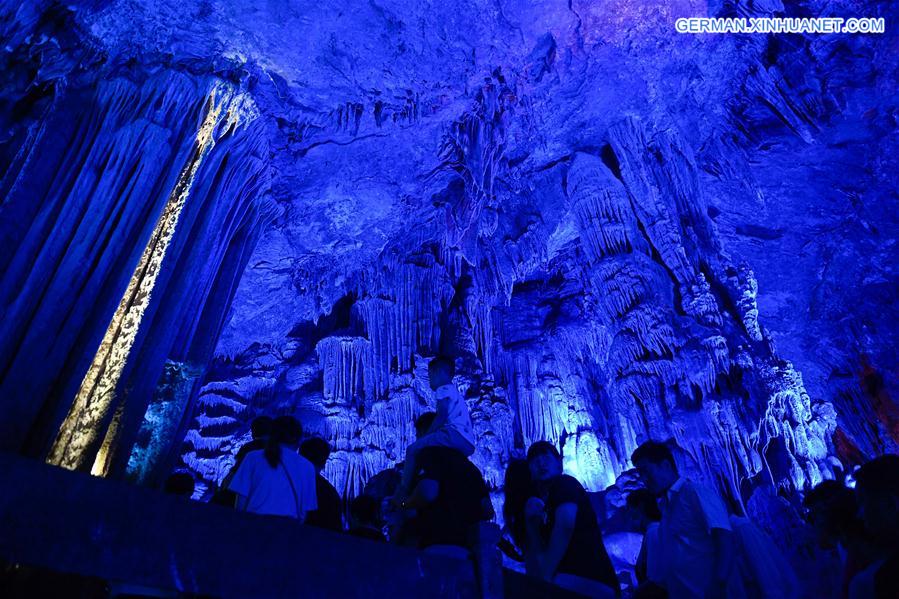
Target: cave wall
x=620, y=232
x=605, y=238
x=132, y=199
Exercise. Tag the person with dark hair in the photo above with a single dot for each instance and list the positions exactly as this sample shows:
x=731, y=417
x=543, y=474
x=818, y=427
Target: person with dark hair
x=877, y=491
x=564, y=544
x=328, y=513
x=364, y=520
x=643, y=511
x=517, y=490
x=653, y=452
x=260, y=429
x=277, y=480
x=180, y=483
x=695, y=536
x=832, y=512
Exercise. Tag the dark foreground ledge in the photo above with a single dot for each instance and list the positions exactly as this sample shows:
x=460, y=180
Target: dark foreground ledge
x=75, y=523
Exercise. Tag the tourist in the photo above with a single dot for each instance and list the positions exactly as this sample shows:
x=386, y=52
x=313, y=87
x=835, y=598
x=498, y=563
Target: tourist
x=260, y=429
x=364, y=520
x=832, y=512
x=451, y=427
x=277, y=480
x=564, y=541
x=383, y=488
x=516, y=491
x=181, y=484
x=877, y=491
x=328, y=513
x=695, y=538
x=643, y=512
x=449, y=498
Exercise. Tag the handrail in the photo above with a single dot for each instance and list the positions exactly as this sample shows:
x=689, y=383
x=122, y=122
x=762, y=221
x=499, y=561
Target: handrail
x=75, y=523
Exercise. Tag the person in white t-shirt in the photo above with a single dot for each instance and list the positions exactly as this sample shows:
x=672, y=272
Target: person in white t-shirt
x=277, y=481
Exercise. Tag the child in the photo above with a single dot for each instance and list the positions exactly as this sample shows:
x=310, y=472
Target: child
x=452, y=425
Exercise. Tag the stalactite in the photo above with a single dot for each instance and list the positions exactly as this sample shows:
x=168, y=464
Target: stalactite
x=493, y=421
x=589, y=460
x=379, y=317
x=700, y=303
x=400, y=314
x=219, y=227
x=745, y=288
x=75, y=251
x=474, y=147
x=639, y=357
x=794, y=430
x=389, y=426
x=343, y=363
x=656, y=370
x=645, y=177
x=83, y=424
x=480, y=315
x=767, y=85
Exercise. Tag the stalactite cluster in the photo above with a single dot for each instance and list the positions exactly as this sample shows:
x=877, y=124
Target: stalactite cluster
x=131, y=194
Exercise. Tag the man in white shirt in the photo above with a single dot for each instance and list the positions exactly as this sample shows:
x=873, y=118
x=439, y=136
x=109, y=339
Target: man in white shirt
x=695, y=539
x=277, y=481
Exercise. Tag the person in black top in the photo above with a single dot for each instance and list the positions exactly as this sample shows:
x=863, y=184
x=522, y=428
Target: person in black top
x=516, y=490
x=449, y=494
x=180, y=483
x=644, y=514
x=364, y=520
x=877, y=488
x=564, y=541
x=832, y=513
x=328, y=515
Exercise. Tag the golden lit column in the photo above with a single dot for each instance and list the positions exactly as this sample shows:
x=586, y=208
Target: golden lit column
x=84, y=425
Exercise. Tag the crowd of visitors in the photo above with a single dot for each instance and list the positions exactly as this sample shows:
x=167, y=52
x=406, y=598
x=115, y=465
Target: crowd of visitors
x=692, y=545
x=863, y=524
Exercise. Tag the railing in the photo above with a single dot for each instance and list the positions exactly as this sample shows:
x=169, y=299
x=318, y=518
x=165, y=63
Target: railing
x=75, y=523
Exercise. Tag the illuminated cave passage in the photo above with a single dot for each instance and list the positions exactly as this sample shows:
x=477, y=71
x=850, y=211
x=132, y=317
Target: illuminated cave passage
x=216, y=210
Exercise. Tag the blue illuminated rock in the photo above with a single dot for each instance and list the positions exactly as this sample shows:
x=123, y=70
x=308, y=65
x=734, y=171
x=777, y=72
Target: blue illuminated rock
x=620, y=232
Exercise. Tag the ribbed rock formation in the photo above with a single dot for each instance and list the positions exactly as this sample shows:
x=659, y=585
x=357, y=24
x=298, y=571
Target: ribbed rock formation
x=131, y=207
